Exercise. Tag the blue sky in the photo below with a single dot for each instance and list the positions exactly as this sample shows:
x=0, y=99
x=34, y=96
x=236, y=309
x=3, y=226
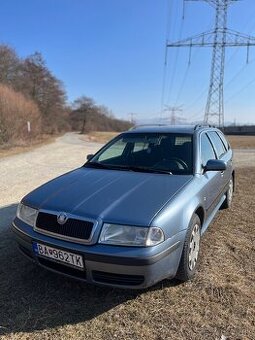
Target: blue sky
x=113, y=51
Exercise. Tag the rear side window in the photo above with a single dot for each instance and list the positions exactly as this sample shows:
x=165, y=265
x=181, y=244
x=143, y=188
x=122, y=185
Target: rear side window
x=224, y=141
x=207, y=151
x=217, y=143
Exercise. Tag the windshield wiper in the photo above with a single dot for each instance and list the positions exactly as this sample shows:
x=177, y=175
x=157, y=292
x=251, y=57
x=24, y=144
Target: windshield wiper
x=96, y=165
x=127, y=168
x=151, y=170
x=105, y=166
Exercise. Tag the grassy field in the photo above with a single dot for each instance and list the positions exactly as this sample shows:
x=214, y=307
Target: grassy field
x=10, y=150
x=242, y=142
x=100, y=136
x=36, y=304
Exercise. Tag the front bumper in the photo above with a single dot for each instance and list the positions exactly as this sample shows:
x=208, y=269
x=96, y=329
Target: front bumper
x=125, y=267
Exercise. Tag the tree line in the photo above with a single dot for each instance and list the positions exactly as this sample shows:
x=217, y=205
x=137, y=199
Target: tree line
x=30, y=92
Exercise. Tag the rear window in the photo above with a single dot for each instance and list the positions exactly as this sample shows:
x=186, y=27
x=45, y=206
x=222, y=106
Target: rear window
x=140, y=146
x=180, y=140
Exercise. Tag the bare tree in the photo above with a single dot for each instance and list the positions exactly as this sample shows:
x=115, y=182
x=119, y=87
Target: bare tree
x=9, y=66
x=84, y=107
x=88, y=116
x=44, y=88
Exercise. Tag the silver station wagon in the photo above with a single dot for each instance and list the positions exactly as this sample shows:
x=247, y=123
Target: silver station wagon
x=135, y=212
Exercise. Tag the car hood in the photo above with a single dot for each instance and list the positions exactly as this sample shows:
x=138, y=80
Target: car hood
x=124, y=197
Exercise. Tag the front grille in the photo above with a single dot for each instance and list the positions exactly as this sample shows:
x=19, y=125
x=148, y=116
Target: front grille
x=117, y=279
x=62, y=268
x=74, y=228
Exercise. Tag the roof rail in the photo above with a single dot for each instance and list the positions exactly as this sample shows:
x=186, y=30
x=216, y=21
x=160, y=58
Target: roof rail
x=144, y=125
x=197, y=126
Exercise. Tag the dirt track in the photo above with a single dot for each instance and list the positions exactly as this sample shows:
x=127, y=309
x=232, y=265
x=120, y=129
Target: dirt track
x=36, y=304
x=23, y=172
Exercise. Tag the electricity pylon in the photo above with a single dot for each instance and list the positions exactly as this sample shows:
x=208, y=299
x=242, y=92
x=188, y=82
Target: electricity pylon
x=173, y=110
x=219, y=38
x=132, y=116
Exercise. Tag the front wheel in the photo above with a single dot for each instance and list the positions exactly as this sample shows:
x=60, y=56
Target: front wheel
x=190, y=254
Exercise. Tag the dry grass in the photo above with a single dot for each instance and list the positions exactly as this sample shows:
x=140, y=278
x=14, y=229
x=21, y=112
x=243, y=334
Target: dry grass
x=36, y=304
x=100, y=136
x=25, y=146
x=15, y=111
x=242, y=142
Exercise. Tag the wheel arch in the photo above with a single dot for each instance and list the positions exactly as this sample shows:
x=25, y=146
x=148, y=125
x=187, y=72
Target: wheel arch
x=234, y=179
x=201, y=214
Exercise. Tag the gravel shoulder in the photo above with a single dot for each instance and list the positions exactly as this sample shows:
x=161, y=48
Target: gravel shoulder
x=23, y=172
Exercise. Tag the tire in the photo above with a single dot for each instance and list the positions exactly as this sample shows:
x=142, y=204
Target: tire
x=229, y=195
x=190, y=253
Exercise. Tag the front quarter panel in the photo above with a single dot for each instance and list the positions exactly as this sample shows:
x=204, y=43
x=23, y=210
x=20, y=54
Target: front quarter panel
x=176, y=215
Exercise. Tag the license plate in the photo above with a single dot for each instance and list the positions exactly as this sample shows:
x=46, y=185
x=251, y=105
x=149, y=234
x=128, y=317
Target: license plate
x=58, y=255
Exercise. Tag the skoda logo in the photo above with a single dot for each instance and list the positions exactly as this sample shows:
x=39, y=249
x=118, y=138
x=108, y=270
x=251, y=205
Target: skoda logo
x=62, y=218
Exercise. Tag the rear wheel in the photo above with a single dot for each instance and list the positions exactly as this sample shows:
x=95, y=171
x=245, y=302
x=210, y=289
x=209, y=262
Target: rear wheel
x=229, y=195
x=190, y=254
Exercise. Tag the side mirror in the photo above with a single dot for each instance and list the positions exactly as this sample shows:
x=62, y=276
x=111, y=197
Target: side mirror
x=215, y=165
x=89, y=156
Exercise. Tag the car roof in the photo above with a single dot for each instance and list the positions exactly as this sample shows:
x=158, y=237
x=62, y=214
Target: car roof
x=164, y=128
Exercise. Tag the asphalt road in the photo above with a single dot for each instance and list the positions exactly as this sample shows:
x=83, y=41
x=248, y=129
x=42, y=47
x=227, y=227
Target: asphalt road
x=23, y=172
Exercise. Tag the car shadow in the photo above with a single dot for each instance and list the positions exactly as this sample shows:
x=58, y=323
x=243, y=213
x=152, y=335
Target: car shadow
x=32, y=298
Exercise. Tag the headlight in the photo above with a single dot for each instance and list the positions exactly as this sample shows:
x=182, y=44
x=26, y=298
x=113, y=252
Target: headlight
x=27, y=214
x=131, y=236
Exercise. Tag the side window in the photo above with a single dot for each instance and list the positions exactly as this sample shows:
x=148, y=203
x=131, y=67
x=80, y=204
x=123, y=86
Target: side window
x=206, y=150
x=217, y=143
x=224, y=141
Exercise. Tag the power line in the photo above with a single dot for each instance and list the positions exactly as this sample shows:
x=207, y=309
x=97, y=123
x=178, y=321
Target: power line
x=188, y=66
x=203, y=92
x=168, y=27
x=194, y=101
x=219, y=38
x=165, y=66
x=241, y=90
x=182, y=84
x=186, y=75
x=176, y=57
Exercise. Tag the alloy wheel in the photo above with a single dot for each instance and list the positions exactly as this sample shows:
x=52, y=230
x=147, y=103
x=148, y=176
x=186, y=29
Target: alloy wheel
x=194, y=247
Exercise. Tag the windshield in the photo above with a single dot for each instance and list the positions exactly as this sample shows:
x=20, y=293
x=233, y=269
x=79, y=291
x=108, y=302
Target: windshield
x=148, y=152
